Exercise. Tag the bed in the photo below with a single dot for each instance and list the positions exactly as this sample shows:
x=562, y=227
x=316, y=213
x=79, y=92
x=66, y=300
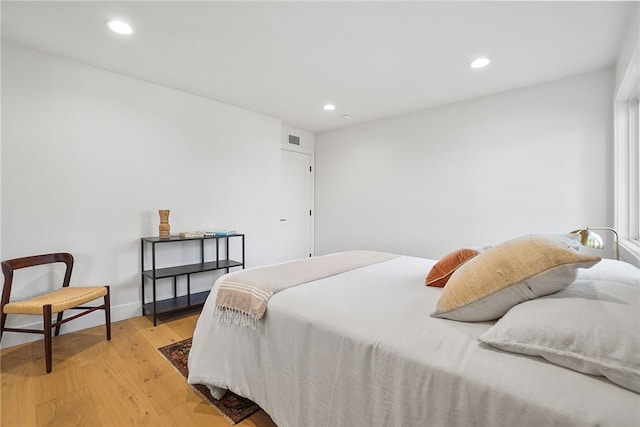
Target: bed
x=361, y=348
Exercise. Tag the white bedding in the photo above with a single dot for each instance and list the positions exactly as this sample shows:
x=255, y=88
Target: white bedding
x=374, y=357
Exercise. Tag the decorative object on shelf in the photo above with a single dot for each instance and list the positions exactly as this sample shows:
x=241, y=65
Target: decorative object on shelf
x=164, y=226
x=594, y=240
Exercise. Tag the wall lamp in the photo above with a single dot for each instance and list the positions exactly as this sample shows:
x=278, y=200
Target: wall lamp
x=594, y=240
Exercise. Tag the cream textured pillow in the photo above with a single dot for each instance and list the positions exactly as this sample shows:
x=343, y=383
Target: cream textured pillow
x=591, y=327
x=488, y=285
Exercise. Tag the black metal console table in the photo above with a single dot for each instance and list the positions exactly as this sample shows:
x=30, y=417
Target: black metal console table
x=189, y=300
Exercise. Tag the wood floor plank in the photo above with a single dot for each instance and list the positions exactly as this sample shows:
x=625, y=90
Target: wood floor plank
x=100, y=383
x=121, y=400
x=17, y=390
x=68, y=410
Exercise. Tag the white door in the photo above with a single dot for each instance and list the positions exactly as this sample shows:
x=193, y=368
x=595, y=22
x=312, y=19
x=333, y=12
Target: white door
x=296, y=214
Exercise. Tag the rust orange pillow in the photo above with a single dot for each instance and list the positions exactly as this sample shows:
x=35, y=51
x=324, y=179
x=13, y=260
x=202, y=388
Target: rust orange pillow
x=443, y=269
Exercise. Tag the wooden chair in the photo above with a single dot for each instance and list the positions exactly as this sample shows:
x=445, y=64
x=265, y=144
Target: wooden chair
x=65, y=298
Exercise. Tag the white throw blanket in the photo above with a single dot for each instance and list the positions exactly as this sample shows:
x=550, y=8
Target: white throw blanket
x=243, y=296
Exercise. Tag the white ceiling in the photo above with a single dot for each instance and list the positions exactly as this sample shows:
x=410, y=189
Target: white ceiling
x=371, y=59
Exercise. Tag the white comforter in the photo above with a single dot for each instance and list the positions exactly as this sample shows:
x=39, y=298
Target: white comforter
x=360, y=349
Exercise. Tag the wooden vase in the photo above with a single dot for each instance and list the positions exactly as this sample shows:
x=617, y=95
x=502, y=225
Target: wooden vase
x=164, y=223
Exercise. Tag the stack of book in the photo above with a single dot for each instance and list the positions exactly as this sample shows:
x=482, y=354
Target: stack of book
x=187, y=234
x=220, y=233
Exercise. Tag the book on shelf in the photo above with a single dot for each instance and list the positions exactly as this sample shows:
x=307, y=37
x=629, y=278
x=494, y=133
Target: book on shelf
x=186, y=234
x=220, y=233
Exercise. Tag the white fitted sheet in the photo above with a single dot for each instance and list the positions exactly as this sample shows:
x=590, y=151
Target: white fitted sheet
x=360, y=349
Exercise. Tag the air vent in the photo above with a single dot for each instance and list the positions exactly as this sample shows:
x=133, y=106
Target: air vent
x=295, y=140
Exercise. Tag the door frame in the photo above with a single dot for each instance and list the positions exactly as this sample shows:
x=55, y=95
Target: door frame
x=311, y=154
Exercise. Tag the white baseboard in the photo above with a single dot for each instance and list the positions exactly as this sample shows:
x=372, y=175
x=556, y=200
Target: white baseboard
x=121, y=312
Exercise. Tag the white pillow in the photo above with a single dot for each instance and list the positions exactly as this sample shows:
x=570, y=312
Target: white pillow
x=592, y=326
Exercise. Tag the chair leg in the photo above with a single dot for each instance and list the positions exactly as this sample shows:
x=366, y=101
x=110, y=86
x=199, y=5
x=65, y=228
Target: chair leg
x=59, y=319
x=3, y=321
x=107, y=313
x=46, y=313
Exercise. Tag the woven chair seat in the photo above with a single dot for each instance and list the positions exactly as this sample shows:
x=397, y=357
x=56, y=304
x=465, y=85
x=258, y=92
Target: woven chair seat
x=60, y=300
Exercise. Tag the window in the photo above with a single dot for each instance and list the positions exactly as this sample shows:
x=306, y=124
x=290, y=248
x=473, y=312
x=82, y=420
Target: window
x=634, y=170
x=627, y=163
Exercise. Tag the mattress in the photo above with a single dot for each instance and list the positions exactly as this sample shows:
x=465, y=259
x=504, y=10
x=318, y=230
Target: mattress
x=360, y=349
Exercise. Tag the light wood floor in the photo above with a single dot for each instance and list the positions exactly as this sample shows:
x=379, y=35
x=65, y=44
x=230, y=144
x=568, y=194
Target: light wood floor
x=95, y=382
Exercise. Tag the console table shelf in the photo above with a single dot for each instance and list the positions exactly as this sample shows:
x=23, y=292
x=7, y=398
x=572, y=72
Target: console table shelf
x=163, y=273
x=177, y=303
x=189, y=300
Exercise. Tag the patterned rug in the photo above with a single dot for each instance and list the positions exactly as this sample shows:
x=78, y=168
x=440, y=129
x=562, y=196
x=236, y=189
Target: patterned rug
x=234, y=408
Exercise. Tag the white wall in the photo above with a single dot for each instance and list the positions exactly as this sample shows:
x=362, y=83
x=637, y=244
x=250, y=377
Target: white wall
x=307, y=139
x=629, y=46
x=473, y=173
x=89, y=157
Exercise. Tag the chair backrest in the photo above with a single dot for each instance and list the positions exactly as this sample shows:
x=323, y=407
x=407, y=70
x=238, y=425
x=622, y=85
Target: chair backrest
x=9, y=266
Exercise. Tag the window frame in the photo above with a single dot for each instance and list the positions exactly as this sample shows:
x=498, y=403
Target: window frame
x=634, y=168
x=627, y=162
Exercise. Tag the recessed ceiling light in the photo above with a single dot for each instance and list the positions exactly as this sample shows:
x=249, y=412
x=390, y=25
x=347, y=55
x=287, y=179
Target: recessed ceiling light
x=479, y=63
x=329, y=107
x=119, y=27
x=346, y=116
